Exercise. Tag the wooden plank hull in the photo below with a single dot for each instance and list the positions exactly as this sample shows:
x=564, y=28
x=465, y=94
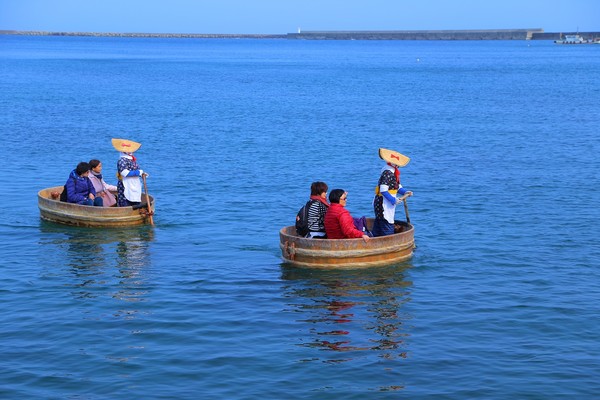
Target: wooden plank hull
x=60, y=212
x=346, y=253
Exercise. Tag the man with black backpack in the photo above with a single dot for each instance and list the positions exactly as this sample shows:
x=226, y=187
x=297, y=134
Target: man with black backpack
x=309, y=220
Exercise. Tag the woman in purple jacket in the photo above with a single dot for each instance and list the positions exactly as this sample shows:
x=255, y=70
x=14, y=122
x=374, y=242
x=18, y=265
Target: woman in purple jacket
x=80, y=189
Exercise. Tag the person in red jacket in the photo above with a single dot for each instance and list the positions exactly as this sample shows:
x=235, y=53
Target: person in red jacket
x=338, y=221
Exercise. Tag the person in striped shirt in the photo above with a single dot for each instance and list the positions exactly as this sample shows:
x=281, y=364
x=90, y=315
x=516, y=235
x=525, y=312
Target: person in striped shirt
x=317, y=210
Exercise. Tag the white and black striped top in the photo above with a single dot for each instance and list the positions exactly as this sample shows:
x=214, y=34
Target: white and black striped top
x=316, y=217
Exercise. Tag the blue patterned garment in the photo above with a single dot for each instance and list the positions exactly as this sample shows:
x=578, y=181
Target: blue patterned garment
x=122, y=164
x=386, y=178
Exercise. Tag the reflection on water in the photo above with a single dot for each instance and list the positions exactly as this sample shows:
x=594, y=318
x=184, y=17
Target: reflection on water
x=102, y=258
x=351, y=311
x=132, y=258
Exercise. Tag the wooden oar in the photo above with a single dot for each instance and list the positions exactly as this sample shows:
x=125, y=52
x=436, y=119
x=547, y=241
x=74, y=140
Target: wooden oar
x=150, y=213
x=403, y=199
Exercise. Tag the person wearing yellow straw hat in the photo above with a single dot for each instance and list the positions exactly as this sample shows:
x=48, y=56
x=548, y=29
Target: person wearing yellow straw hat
x=129, y=187
x=387, y=188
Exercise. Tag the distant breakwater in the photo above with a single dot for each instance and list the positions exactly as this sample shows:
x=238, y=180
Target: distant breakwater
x=483, y=34
x=147, y=35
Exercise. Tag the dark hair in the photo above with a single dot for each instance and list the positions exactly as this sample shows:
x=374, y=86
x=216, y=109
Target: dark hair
x=316, y=188
x=335, y=195
x=94, y=163
x=82, y=168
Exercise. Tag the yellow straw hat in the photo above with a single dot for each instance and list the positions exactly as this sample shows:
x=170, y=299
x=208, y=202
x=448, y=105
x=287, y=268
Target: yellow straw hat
x=393, y=157
x=126, y=146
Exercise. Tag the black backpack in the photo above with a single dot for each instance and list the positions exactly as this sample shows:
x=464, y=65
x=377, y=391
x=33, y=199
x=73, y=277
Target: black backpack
x=302, y=219
x=63, y=195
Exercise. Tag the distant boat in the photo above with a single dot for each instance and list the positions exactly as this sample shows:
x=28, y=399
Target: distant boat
x=54, y=210
x=347, y=253
x=575, y=39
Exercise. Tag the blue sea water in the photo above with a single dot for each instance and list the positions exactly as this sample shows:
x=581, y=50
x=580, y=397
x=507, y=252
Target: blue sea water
x=500, y=300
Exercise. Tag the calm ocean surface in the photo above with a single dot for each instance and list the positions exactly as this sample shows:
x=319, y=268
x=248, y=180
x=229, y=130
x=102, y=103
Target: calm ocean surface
x=500, y=301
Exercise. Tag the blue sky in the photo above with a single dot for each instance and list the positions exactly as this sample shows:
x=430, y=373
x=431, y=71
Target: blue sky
x=284, y=16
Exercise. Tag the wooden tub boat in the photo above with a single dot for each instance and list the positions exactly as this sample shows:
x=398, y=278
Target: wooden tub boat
x=54, y=210
x=347, y=253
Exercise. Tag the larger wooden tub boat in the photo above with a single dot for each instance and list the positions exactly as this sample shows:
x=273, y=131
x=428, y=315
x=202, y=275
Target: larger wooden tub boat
x=54, y=210
x=347, y=253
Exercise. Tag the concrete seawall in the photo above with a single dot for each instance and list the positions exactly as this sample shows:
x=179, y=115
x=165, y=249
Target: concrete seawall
x=484, y=34
x=487, y=34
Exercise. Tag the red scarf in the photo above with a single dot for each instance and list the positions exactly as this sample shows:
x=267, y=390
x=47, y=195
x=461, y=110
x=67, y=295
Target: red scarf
x=319, y=198
x=396, y=172
x=132, y=156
